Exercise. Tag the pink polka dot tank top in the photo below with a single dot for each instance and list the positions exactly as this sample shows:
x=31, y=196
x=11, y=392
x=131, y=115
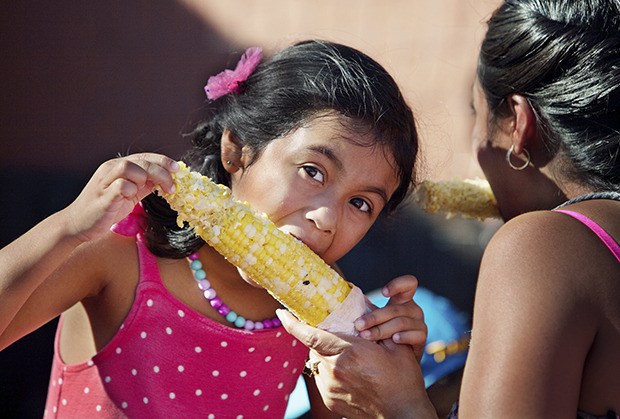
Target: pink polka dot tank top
x=169, y=361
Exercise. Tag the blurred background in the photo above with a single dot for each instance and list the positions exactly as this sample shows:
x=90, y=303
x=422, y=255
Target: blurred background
x=85, y=81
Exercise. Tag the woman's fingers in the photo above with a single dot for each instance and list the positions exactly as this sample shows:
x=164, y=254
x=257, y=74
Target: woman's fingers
x=324, y=343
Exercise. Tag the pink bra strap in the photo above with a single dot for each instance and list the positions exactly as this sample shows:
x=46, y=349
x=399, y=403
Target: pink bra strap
x=598, y=230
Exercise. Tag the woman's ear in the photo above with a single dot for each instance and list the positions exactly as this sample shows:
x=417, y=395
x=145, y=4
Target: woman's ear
x=524, y=129
x=231, y=151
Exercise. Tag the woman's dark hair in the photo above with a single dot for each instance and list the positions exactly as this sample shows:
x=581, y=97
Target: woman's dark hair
x=294, y=86
x=564, y=57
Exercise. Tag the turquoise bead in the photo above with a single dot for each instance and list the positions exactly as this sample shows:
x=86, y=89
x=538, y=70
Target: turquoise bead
x=200, y=274
x=240, y=322
x=195, y=265
x=231, y=317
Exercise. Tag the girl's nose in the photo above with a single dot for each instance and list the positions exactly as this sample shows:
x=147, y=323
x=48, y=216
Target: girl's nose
x=325, y=218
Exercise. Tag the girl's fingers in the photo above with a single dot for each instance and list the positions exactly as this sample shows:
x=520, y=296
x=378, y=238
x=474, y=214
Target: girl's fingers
x=123, y=188
x=416, y=338
x=382, y=315
x=114, y=189
x=145, y=171
x=394, y=326
x=158, y=169
x=400, y=289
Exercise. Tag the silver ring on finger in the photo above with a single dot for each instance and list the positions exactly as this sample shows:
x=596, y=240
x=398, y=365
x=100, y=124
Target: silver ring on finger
x=312, y=367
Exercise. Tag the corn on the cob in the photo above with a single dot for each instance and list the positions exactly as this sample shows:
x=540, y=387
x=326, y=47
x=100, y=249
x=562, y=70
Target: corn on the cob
x=472, y=198
x=290, y=271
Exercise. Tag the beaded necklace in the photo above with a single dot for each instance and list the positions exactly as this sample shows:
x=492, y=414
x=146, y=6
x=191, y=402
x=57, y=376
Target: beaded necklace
x=216, y=302
x=594, y=195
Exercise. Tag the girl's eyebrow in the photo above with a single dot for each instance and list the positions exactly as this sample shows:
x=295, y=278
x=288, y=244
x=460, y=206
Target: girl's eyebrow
x=379, y=191
x=329, y=153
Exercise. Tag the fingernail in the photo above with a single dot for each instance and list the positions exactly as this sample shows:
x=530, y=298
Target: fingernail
x=359, y=324
x=385, y=291
x=281, y=315
x=396, y=337
x=173, y=189
x=174, y=165
x=365, y=334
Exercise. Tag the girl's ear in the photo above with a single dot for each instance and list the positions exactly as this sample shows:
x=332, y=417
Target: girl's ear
x=524, y=129
x=231, y=151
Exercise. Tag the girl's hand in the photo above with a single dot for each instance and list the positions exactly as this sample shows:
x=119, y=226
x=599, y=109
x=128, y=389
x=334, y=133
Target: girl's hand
x=401, y=319
x=114, y=189
x=360, y=378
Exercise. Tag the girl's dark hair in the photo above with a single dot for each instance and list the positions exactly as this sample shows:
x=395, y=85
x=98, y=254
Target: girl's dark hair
x=564, y=57
x=294, y=86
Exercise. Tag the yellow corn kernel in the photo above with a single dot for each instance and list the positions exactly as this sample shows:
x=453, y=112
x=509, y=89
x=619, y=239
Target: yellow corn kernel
x=289, y=270
x=472, y=198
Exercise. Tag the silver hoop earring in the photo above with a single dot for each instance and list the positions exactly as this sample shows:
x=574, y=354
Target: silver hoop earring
x=509, y=158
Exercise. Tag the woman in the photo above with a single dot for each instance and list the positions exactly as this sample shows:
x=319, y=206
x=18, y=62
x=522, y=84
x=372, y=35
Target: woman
x=546, y=325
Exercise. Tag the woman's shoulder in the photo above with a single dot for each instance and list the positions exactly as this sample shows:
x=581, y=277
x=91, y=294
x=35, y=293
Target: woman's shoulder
x=531, y=255
x=535, y=235
x=580, y=233
x=548, y=235
x=547, y=250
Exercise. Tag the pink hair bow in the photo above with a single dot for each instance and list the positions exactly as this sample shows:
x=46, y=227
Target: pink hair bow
x=134, y=223
x=228, y=80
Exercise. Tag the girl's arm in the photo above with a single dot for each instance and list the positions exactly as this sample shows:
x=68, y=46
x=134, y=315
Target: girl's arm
x=532, y=325
x=109, y=196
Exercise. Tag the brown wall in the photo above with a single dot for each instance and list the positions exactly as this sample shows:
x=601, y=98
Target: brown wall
x=83, y=81
x=430, y=46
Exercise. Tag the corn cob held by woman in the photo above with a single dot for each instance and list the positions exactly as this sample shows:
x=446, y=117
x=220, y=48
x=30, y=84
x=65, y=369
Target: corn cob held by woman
x=471, y=198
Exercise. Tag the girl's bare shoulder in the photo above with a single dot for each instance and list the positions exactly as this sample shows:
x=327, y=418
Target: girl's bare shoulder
x=112, y=259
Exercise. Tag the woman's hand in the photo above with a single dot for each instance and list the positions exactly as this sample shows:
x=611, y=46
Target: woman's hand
x=401, y=319
x=360, y=378
x=114, y=189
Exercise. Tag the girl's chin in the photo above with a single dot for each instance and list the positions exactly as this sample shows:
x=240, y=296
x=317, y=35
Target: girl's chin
x=247, y=278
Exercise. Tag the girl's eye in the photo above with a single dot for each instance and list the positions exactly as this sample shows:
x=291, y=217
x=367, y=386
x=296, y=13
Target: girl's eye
x=361, y=205
x=314, y=173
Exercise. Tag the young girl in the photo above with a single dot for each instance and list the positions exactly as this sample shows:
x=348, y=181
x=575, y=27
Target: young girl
x=319, y=138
